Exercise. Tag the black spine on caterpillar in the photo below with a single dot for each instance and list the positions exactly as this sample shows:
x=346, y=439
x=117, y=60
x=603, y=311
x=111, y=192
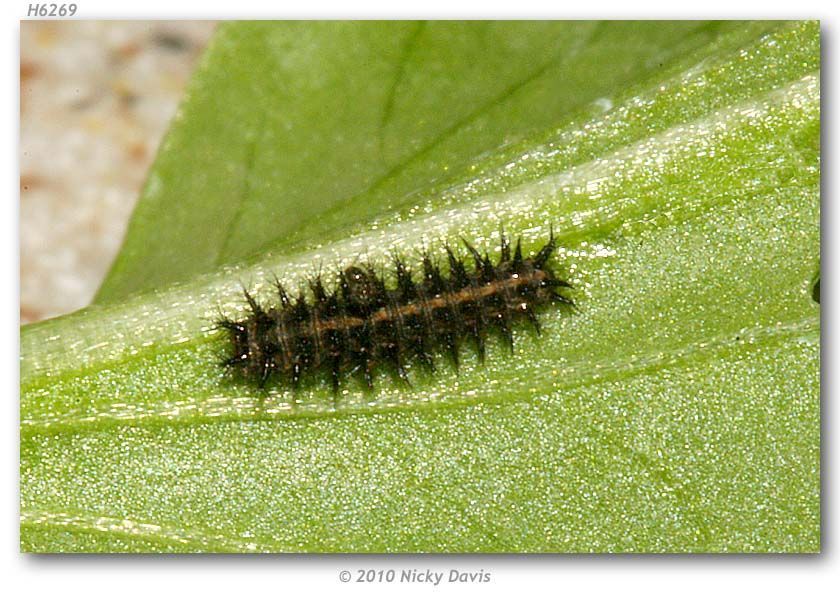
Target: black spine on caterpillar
x=362, y=324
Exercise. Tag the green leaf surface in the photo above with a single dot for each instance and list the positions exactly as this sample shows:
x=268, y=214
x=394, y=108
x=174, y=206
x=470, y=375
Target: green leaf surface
x=291, y=131
x=677, y=410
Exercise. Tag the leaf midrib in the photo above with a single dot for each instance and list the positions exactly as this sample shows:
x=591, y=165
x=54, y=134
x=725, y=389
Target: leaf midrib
x=580, y=374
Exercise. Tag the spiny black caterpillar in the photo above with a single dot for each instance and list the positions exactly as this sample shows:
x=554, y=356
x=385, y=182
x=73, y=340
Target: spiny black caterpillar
x=362, y=323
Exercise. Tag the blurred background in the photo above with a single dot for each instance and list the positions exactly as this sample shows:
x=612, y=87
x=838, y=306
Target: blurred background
x=95, y=100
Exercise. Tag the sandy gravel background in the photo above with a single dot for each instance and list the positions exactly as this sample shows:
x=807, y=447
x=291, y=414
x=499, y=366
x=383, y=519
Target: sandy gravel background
x=95, y=100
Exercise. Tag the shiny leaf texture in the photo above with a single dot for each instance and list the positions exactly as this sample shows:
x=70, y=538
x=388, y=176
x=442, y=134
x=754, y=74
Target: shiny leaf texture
x=677, y=410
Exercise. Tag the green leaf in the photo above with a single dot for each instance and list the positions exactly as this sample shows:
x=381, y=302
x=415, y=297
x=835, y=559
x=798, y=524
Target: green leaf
x=677, y=410
x=291, y=131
